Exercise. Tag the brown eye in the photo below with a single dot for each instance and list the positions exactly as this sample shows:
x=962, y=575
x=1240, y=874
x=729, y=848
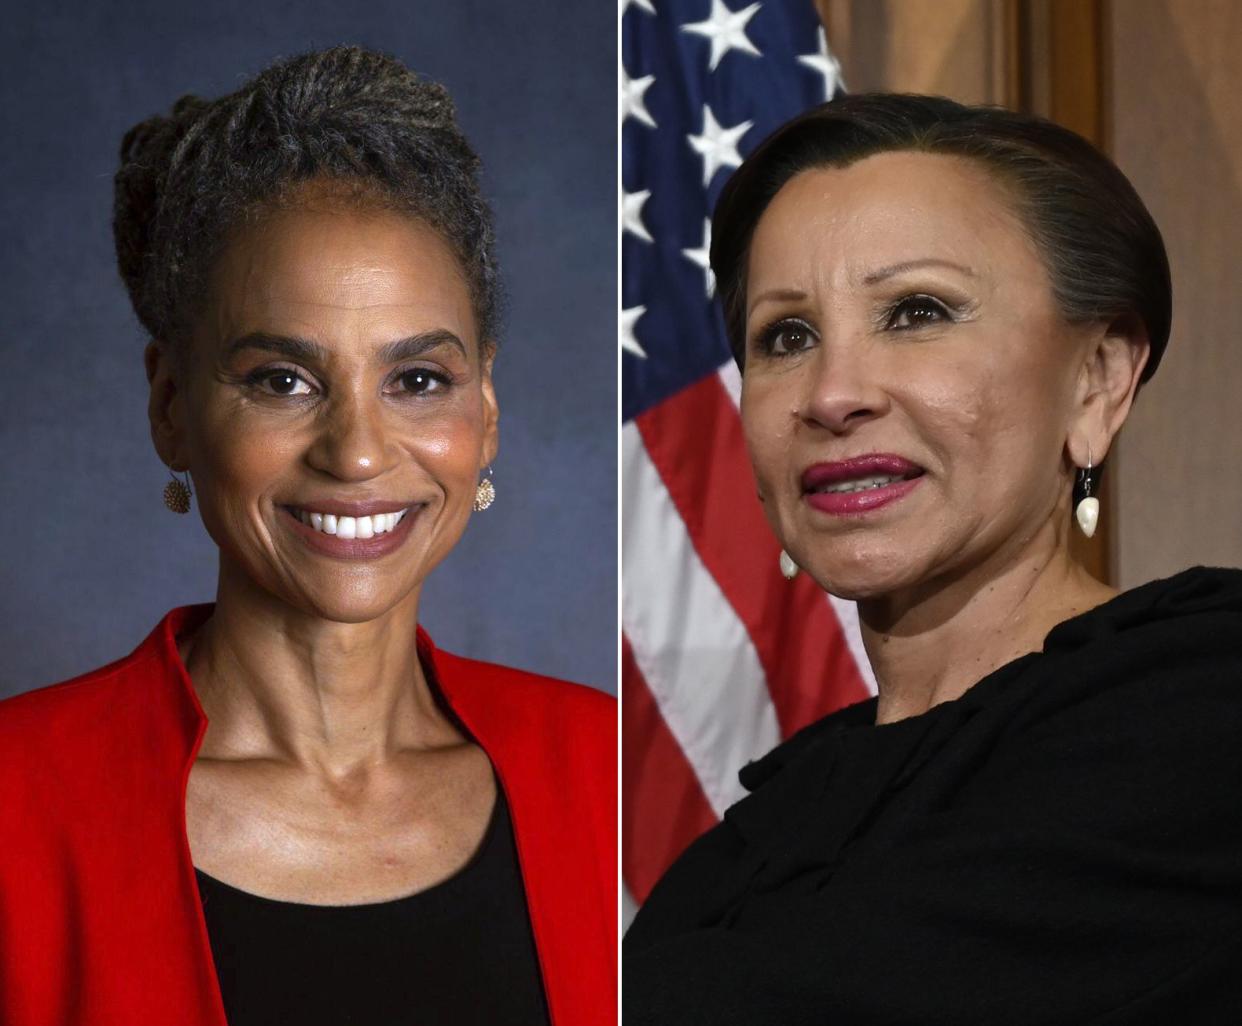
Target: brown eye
x=915, y=312
x=281, y=381
x=421, y=381
x=787, y=337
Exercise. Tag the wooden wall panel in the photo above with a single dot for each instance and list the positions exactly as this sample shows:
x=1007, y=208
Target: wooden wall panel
x=955, y=48
x=1176, y=125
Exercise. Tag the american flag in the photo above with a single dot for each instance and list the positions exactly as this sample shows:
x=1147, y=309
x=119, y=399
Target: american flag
x=721, y=656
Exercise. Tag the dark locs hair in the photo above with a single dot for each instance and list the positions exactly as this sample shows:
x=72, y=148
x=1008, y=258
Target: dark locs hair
x=356, y=117
x=1102, y=250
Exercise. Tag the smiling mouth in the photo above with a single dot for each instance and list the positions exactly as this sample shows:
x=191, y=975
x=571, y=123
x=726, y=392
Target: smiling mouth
x=349, y=527
x=861, y=484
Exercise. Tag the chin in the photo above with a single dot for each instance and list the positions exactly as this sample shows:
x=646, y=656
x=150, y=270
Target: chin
x=344, y=600
x=349, y=609
x=858, y=572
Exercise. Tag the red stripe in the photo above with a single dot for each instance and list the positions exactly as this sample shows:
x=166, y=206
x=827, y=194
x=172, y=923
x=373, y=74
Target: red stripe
x=695, y=441
x=663, y=807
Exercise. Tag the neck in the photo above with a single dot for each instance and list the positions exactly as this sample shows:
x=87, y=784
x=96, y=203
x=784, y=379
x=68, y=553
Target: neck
x=279, y=683
x=930, y=643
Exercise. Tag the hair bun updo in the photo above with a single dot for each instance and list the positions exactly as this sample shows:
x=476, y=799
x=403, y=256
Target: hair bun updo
x=146, y=153
x=349, y=114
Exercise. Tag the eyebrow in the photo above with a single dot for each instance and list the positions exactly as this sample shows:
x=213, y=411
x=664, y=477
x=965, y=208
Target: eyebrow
x=884, y=273
x=872, y=278
x=777, y=295
x=304, y=350
x=416, y=345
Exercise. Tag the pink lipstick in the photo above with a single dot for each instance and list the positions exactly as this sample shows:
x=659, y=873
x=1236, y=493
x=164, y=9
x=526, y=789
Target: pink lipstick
x=859, y=484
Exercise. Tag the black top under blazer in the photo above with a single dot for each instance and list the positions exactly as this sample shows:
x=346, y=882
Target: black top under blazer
x=1060, y=845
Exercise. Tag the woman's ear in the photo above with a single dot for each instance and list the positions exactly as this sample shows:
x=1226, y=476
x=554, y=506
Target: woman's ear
x=1113, y=362
x=491, y=411
x=165, y=405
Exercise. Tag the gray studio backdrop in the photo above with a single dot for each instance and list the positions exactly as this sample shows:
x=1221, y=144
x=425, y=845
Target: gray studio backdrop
x=92, y=559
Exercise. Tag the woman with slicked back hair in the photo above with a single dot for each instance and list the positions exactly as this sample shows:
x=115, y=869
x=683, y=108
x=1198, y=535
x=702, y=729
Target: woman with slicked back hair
x=289, y=805
x=942, y=315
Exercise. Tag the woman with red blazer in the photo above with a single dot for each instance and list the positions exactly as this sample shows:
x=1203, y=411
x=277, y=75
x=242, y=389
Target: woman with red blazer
x=288, y=805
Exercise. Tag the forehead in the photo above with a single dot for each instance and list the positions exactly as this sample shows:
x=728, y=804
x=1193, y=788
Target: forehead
x=890, y=208
x=329, y=270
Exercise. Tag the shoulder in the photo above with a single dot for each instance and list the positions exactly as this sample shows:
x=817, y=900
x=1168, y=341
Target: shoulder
x=580, y=698
x=757, y=772
x=1170, y=616
x=1127, y=723
x=540, y=732
x=48, y=718
x=132, y=711
x=523, y=698
x=1169, y=649
x=69, y=749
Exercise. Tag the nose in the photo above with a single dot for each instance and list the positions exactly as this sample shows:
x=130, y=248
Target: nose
x=352, y=442
x=843, y=390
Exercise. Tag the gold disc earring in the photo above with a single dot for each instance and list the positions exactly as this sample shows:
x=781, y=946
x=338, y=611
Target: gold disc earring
x=177, y=494
x=485, y=493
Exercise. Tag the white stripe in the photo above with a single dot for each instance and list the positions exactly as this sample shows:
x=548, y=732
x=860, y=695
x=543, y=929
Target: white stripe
x=845, y=611
x=693, y=650
x=731, y=378
x=629, y=909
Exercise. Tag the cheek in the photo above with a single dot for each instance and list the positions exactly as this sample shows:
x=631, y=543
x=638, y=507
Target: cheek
x=960, y=415
x=768, y=429
x=447, y=442
x=987, y=422
x=241, y=451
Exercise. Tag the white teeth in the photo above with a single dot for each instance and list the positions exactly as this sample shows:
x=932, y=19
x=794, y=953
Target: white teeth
x=862, y=484
x=350, y=527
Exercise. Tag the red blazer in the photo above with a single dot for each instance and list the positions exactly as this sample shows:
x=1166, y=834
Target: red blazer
x=100, y=916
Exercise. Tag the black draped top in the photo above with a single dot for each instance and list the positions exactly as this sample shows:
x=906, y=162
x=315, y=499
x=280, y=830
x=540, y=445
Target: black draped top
x=1060, y=845
x=460, y=953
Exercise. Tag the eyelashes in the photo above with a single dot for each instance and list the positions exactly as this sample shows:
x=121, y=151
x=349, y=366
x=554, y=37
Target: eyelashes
x=258, y=379
x=422, y=380
x=916, y=311
x=786, y=336
x=290, y=383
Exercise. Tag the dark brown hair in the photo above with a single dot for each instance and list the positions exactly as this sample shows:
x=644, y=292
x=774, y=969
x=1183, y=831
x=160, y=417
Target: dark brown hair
x=356, y=117
x=1103, y=251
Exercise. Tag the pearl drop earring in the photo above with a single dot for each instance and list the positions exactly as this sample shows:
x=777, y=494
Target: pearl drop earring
x=789, y=569
x=1087, y=512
